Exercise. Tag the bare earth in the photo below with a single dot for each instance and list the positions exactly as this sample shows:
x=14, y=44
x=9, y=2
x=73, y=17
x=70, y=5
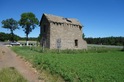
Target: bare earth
x=9, y=59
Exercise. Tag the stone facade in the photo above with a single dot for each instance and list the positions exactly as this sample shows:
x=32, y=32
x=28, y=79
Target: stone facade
x=59, y=32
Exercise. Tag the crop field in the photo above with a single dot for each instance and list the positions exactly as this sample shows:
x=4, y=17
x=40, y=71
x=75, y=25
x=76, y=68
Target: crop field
x=92, y=65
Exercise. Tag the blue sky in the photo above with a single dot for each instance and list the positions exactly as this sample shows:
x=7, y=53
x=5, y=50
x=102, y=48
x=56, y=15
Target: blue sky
x=101, y=18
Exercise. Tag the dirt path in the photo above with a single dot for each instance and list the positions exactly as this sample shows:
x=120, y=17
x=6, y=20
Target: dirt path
x=9, y=59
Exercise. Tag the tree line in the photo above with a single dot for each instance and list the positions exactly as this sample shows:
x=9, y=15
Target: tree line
x=7, y=37
x=101, y=41
x=106, y=41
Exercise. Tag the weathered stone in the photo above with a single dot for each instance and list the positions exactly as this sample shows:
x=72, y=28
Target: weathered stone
x=68, y=31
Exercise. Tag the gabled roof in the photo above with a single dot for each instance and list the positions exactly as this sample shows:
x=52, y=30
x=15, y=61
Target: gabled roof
x=58, y=19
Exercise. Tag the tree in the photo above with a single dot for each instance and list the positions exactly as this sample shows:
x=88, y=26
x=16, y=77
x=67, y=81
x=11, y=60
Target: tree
x=10, y=24
x=83, y=35
x=28, y=22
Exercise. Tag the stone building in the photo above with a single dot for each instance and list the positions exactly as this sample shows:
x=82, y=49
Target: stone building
x=59, y=32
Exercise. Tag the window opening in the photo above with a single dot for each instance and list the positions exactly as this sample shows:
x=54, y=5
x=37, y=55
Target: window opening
x=76, y=42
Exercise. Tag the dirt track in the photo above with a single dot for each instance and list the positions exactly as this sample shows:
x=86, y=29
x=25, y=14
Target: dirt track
x=9, y=59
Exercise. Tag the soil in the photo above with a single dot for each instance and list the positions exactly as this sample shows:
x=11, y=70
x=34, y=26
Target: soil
x=10, y=59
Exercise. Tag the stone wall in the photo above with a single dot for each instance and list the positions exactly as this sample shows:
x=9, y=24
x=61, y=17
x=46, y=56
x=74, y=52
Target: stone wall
x=45, y=33
x=68, y=34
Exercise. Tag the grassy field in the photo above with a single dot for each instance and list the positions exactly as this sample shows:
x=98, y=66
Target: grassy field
x=93, y=65
x=10, y=75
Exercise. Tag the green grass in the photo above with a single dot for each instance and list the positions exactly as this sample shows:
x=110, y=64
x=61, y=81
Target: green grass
x=10, y=75
x=94, y=65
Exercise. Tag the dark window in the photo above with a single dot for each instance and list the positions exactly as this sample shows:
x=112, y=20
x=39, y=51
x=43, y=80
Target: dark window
x=76, y=42
x=80, y=27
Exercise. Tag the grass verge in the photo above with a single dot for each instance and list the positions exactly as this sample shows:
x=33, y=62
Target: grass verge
x=10, y=75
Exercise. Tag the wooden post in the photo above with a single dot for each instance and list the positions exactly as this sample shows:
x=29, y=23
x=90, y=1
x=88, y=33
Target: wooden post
x=43, y=44
x=58, y=44
x=122, y=47
x=43, y=48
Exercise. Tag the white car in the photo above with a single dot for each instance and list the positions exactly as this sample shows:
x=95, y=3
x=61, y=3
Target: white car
x=15, y=43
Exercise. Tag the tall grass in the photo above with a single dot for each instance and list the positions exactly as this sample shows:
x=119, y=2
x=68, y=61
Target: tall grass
x=10, y=75
x=93, y=65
